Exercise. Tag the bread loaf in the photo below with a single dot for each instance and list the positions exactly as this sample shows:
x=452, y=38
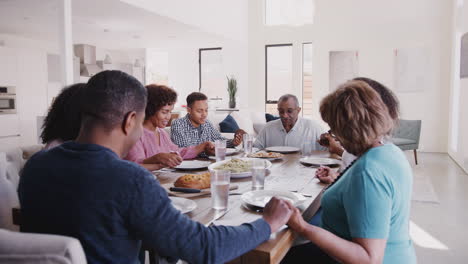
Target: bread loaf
x=195, y=181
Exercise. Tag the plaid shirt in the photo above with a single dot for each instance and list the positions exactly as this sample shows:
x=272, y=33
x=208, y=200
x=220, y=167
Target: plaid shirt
x=184, y=134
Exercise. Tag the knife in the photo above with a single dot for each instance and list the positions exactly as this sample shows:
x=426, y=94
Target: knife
x=185, y=190
x=191, y=190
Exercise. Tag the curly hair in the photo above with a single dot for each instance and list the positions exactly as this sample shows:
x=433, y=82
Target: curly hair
x=158, y=97
x=195, y=96
x=388, y=97
x=357, y=116
x=63, y=120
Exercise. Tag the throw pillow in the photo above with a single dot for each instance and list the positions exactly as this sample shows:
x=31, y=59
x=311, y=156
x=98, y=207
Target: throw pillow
x=228, y=125
x=270, y=117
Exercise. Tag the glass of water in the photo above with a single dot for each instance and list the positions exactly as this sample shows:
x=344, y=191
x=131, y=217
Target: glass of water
x=220, y=180
x=258, y=174
x=248, y=143
x=306, y=149
x=220, y=149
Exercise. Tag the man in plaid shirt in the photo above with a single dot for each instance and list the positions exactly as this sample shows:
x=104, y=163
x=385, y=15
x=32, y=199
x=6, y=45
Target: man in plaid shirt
x=194, y=128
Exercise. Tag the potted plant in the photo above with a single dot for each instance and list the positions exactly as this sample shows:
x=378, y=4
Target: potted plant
x=232, y=91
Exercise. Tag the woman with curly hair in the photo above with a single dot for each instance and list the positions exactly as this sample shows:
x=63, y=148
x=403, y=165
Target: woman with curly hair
x=63, y=120
x=155, y=149
x=366, y=210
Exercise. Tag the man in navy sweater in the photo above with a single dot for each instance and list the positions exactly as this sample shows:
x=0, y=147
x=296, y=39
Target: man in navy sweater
x=85, y=190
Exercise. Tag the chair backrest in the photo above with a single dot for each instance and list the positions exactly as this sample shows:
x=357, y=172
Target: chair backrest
x=409, y=129
x=28, y=248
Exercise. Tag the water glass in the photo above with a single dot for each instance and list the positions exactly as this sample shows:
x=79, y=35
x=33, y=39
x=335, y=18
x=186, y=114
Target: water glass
x=258, y=174
x=220, y=149
x=248, y=143
x=220, y=189
x=306, y=149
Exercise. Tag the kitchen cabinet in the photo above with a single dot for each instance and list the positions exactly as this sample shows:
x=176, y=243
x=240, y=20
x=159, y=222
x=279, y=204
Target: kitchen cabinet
x=8, y=67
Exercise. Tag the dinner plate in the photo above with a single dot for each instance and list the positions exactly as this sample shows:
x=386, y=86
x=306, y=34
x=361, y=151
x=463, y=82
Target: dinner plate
x=282, y=149
x=311, y=161
x=193, y=165
x=231, y=151
x=261, y=197
x=260, y=153
x=182, y=204
x=238, y=174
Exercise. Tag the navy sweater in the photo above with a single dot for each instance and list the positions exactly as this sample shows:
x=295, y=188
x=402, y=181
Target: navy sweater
x=111, y=205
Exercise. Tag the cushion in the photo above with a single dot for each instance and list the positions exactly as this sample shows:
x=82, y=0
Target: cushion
x=228, y=125
x=270, y=117
x=244, y=121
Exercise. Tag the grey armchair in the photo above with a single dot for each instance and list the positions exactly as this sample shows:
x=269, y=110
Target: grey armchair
x=406, y=136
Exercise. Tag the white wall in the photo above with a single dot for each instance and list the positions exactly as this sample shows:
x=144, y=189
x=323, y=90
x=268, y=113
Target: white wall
x=375, y=29
x=458, y=127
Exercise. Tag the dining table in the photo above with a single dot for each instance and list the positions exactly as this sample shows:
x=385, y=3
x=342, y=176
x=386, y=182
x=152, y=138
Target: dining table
x=286, y=174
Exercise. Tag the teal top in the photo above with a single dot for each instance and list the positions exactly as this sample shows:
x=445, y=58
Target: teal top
x=372, y=200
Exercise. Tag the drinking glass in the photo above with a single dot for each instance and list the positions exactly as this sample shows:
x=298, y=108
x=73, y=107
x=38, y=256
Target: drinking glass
x=258, y=174
x=306, y=149
x=220, y=149
x=220, y=189
x=247, y=140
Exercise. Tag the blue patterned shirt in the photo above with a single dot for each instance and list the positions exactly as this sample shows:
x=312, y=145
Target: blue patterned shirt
x=184, y=134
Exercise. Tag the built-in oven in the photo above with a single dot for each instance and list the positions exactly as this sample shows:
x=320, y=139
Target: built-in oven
x=7, y=100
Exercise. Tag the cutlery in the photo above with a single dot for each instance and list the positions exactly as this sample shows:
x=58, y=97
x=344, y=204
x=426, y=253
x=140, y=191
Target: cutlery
x=217, y=216
x=185, y=190
x=303, y=194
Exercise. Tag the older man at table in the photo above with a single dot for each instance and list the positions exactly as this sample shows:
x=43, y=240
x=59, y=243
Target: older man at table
x=290, y=130
x=84, y=189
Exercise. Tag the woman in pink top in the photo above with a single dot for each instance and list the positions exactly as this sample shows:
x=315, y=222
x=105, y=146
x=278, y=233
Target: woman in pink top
x=155, y=150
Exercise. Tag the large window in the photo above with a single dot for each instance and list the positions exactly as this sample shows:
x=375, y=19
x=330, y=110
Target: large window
x=307, y=102
x=211, y=73
x=278, y=74
x=289, y=12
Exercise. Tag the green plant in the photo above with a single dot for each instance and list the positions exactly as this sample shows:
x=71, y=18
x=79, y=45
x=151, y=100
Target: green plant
x=232, y=88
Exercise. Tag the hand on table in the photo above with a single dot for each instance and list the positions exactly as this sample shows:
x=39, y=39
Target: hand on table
x=209, y=148
x=168, y=159
x=277, y=213
x=326, y=175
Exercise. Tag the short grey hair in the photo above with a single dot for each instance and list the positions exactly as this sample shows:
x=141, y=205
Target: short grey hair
x=286, y=97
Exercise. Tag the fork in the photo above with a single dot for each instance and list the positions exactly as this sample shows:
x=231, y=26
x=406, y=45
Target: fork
x=217, y=216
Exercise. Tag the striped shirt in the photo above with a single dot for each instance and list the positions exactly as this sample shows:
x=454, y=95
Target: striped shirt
x=184, y=134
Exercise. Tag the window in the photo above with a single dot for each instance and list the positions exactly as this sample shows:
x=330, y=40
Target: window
x=289, y=12
x=307, y=80
x=278, y=74
x=212, y=80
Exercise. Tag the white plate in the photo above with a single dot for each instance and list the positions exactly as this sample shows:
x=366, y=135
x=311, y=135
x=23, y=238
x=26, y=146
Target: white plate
x=262, y=197
x=238, y=174
x=182, y=204
x=283, y=149
x=320, y=161
x=231, y=151
x=193, y=165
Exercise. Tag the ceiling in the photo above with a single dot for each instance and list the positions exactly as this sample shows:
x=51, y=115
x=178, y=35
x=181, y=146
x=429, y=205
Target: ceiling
x=112, y=24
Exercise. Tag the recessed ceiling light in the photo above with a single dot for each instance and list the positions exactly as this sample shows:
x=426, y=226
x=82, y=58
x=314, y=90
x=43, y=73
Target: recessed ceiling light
x=136, y=36
x=171, y=36
x=26, y=18
x=106, y=30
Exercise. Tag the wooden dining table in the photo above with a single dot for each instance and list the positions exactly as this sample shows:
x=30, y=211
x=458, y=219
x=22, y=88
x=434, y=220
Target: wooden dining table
x=286, y=174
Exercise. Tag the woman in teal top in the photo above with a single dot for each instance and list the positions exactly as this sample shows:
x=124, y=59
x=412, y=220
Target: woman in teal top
x=365, y=216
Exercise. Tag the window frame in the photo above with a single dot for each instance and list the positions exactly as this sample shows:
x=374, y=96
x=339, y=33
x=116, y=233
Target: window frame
x=266, y=69
x=200, y=64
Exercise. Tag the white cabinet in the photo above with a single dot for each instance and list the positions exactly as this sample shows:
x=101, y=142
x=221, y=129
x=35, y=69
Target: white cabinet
x=9, y=125
x=8, y=67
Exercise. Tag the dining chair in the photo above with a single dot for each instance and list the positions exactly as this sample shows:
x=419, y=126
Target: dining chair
x=406, y=136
